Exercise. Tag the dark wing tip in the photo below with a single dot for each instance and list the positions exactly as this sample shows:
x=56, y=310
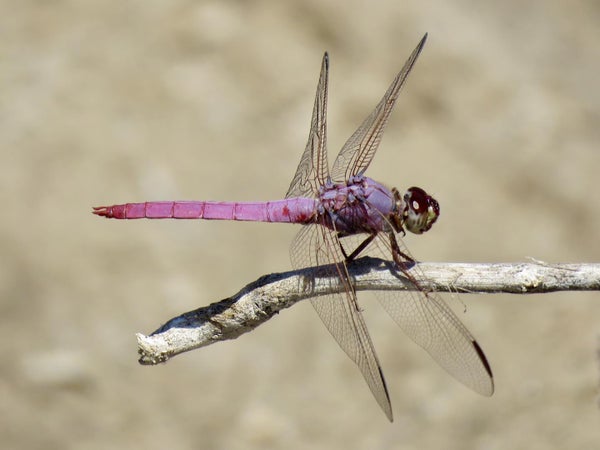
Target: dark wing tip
x=387, y=408
x=485, y=363
x=422, y=42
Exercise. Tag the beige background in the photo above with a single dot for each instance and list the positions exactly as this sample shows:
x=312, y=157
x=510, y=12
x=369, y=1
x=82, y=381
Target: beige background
x=108, y=102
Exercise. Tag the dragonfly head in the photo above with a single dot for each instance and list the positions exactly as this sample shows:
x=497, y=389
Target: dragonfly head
x=420, y=210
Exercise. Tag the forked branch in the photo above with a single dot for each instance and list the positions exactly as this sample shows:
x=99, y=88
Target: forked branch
x=259, y=301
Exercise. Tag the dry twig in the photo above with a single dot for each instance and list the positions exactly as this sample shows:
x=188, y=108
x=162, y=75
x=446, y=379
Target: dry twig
x=259, y=301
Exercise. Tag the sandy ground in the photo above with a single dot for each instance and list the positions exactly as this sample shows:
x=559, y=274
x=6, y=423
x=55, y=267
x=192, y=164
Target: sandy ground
x=109, y=102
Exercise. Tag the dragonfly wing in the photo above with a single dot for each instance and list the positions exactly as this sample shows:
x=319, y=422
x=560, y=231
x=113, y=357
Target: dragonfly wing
x=313, y=170
x=429, y=321
x=317, y=246
x=358, y=151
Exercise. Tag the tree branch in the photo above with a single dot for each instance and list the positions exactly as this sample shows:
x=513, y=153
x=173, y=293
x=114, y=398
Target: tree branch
x=259, y=301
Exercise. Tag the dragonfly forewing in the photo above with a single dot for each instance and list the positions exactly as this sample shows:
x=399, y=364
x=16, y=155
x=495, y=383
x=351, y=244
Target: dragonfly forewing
x=426, y=318
x=359, y=150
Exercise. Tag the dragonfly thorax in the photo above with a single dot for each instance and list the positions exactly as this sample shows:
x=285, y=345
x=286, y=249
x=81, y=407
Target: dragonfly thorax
x=361, y=205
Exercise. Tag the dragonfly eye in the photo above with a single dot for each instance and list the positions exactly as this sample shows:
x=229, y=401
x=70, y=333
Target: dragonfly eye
x=421, y=210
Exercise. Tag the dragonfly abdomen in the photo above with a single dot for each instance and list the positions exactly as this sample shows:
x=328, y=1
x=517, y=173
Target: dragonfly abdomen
x=293, y=210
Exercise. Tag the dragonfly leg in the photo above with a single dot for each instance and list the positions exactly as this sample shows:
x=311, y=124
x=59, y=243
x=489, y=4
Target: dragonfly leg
x=397, y=253
x=358, y=249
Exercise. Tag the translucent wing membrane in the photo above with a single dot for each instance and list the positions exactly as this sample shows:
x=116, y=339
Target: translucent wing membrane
x=313, y=170
x=357, y=153
x=429, y=321
x=315, y=245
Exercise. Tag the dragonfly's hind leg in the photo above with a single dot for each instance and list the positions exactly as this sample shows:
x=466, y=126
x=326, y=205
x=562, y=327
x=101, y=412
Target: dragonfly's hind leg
x=358, y=249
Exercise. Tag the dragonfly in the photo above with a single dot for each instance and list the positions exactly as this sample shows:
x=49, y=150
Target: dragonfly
x=346, y=215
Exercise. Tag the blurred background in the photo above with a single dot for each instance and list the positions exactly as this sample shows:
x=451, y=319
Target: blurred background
x=112, y=102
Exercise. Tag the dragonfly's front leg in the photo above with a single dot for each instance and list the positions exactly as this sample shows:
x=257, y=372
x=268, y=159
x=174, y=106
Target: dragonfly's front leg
x=397, y=253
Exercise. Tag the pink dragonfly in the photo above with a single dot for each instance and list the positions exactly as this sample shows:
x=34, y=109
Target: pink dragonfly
x=346, y=215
